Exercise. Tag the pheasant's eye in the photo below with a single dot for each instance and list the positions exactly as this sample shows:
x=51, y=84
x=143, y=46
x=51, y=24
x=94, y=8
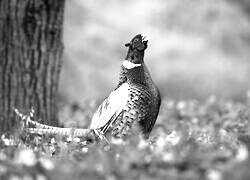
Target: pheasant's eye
x=136, y=40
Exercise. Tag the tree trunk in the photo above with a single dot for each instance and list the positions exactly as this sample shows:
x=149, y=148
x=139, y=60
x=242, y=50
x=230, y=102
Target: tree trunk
x=30, y=58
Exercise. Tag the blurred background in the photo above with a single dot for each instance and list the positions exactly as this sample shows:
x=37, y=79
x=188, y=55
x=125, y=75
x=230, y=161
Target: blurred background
x=197, y=48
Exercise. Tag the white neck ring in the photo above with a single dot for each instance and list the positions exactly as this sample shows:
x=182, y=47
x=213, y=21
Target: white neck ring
x=129, y=65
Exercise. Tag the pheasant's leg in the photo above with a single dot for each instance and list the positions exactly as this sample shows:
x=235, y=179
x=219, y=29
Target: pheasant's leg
x=100, y=135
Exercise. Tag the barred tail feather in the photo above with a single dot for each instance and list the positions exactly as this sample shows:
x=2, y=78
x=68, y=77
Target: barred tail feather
x=39, y=125
x=27, y=119
x=60, y=132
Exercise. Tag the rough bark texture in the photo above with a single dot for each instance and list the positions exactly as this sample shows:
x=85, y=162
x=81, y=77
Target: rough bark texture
x=30, y=58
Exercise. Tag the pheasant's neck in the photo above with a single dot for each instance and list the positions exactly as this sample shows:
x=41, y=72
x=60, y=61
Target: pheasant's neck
x=135, y=56
x=132, y=68
x=136, y=75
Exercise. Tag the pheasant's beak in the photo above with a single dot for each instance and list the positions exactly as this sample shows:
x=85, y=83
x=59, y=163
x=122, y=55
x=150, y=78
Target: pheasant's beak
x=127, y=44
x=145, y=37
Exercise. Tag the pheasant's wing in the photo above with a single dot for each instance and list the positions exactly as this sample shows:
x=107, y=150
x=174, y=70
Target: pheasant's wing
x=110, y=108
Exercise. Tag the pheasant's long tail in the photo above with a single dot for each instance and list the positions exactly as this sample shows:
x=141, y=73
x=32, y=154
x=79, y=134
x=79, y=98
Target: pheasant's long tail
x=60, y=131
x=39, y=125
x=49, y=130
x=27, y=120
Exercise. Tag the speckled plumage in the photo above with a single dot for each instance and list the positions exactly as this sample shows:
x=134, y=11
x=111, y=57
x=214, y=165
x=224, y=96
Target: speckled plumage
x=143, y=98
x=138, y=111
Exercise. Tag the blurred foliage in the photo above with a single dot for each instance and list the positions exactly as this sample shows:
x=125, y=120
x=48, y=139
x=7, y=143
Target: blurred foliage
x=197, y=48
x=191, y=140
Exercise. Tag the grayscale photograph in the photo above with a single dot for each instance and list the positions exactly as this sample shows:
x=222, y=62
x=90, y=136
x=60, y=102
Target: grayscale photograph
x=124, y=90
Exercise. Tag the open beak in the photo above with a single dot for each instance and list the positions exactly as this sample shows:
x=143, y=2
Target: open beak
x=127, y=44
x=145, y=37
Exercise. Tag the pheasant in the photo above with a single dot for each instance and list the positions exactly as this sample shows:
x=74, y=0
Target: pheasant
x=135, y=102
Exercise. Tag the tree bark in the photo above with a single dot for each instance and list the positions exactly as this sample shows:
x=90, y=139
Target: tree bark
x=30, y=58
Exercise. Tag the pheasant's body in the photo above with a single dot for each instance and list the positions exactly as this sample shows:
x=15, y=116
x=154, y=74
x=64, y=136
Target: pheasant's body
x=140, y=109
x=135, y=102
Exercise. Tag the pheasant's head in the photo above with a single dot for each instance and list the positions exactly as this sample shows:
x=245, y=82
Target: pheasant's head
x=139, y=43
x=136, y=49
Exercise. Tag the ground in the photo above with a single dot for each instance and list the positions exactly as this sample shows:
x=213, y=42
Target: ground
x=191, y=140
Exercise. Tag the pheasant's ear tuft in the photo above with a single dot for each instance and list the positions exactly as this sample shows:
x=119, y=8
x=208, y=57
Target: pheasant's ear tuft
x=127, y=44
